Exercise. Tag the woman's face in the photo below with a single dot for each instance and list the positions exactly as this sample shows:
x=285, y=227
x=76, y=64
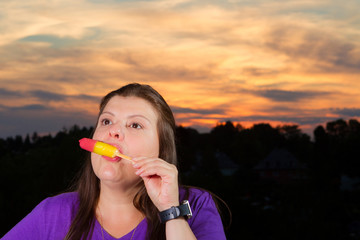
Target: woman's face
x=130, y=124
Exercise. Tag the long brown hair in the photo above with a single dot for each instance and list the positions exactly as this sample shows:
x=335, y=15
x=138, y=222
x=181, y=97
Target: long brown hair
x=88, y=185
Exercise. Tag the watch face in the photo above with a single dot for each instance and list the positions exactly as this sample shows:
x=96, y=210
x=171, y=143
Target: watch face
x=188, y=209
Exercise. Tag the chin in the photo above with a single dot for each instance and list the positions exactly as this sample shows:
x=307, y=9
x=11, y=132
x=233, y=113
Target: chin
x=109, y=175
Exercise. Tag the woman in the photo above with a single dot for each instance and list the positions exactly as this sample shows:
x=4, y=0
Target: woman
x=115, y=199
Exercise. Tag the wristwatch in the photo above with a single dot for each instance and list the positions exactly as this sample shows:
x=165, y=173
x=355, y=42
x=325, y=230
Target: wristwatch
x=175, y=212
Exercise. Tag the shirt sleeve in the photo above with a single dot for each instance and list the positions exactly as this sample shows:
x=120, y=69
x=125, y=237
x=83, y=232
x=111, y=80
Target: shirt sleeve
x=50, y=219
x=29, y=227
x=206, y=222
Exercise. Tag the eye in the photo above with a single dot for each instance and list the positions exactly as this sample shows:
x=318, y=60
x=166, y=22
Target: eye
x=105, y=122
x=135, y=125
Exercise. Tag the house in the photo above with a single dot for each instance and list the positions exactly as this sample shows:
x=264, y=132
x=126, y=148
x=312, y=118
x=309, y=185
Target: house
x=282, y=166
x=227, y=166
x=349, y=183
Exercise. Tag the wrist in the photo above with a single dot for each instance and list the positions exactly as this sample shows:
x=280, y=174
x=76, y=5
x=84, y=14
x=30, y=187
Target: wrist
x=168, y=206
x=175, y=212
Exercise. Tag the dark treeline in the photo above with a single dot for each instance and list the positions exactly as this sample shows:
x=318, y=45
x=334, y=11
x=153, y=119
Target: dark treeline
x=318, y=199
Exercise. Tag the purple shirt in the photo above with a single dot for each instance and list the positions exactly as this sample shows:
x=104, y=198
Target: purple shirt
x=52, y=218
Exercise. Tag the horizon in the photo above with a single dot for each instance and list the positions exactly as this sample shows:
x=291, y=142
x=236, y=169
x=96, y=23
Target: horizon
x=200, y=130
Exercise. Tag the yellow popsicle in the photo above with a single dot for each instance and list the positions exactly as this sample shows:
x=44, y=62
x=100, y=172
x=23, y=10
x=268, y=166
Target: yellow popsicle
x=101, y=148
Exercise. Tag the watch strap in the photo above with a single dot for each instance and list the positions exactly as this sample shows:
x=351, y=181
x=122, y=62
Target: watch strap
x=175, y=212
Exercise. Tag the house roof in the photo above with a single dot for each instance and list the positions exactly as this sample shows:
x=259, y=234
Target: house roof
x=279, y=158
x=225, y=161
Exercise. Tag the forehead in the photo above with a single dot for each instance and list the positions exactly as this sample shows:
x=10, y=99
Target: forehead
x=130, y=105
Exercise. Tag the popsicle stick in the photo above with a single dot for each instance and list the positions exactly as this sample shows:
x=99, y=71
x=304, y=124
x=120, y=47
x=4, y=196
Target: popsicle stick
x=125, y=157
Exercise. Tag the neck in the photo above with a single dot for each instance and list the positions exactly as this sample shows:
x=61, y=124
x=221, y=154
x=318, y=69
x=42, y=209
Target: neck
x=117, y=201
x=116, y=211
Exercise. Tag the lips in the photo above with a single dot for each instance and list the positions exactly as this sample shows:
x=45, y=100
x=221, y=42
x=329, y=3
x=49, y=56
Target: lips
x=115, y=159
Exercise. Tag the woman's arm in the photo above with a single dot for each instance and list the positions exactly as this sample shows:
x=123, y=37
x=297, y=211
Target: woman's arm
x=161, y=182
x=179, y=229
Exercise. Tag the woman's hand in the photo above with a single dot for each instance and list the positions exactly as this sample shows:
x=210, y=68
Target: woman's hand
x=161, y=181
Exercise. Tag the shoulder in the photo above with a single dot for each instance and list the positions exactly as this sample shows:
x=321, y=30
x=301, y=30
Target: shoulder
x=196, y=196
x=60, y=208
x=61, y=202
x=200, y=200
x=58, y=212
x=64, y=198
x=50, y=219
x=206, y=221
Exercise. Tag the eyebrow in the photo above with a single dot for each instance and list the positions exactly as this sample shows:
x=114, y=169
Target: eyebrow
x=139, y=115
x=131, y=116
x=107, y=113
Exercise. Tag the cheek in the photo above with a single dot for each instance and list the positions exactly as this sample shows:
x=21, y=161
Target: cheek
x=152, y=147
x=141, y=147
x=155, y=147
x=95, y=161
x=97, y=133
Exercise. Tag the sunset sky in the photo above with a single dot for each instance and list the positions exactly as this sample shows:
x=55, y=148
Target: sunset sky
x=248, y=61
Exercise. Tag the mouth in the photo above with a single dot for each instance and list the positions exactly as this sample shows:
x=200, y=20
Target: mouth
x=115, y=159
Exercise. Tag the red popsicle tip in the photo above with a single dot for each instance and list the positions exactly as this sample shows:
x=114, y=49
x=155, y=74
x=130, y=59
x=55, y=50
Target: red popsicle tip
x=87, y=144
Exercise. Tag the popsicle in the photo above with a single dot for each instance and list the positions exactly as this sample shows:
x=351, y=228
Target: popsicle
x=101, y=148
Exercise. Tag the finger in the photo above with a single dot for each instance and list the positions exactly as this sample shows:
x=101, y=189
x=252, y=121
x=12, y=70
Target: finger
x=164, y=171
x=145, y=162
x=153, y=162
x=139, y=159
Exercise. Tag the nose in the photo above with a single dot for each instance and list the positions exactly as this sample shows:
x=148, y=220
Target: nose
x=116, y=132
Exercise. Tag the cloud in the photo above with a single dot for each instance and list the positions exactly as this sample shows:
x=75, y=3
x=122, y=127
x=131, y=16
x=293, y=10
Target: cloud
x=5, y=93
x=39, y=118
x=91, y=34
x=197, y=111
x=85, y=97
x=288, y=96
x=319, y=50
x=55, y=41
x=258, y=72
x=276, y=95
x=347, y=112
x=45, y=100
x=44, y=96
x=284, y=119
x=31, y=107
x=160, y=66
x=47, y=96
